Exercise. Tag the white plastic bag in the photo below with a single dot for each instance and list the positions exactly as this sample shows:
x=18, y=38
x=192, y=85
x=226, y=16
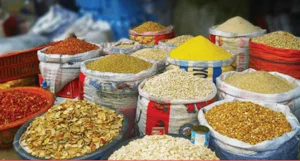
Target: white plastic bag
x=290, y=98
x=111, y=47
x=176, y=116
x=239, y=147
x=88, y=29
x=59, y=75
x=238, y=44
x=59, y=58
x=112, y=89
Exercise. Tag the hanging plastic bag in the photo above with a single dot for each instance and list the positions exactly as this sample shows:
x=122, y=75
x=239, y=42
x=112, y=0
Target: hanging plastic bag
x=261, y=150
x=238, y=44
x=290, y=98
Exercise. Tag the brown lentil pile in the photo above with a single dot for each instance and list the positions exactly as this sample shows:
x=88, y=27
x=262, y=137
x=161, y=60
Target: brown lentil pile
x=179, y=40
x=279, y=39
x=150, y=53
x=260, y=82
x=125, y=45
x=149, y=26
x=119, y=63
x=247, y=121
x=71, y=46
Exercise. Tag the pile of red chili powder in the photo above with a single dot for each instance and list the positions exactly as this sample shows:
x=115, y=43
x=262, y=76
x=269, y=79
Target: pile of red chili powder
x=16, y=105
x=71, y=46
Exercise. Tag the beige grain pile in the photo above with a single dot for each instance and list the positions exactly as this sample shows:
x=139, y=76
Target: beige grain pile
x=238, y=25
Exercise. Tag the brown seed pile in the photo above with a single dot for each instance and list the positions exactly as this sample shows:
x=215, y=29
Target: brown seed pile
x=150, y=53
x=179, y=40
x=71, y=129
x=247, y=122
x=279, y=39
x=260, y=82
x=119, y=63
x=71, y=46
x=149, y=26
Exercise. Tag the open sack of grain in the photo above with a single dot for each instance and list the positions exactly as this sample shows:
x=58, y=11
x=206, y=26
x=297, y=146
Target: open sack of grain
x=169, y=44
x=262, y=86
x=60, y=63
x=124, y=46
x=234, y=35
x=171, y=100
x=201, y=57
x=251, y=130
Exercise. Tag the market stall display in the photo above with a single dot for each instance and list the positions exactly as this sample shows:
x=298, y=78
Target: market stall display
x=258, y=85
x=277, y=51
x=153, y=55
x=113, y=81
x=18, y=105
x=251, y=129
x=73, y=129
x=171, y=100
x=201, y=57
x=234, y=35
x=150, y=33
x=169, y=148
x=60, y=63
x=168, y=45
x=124, y=46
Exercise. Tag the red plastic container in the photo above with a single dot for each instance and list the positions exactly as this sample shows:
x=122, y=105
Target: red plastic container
x=71, y=90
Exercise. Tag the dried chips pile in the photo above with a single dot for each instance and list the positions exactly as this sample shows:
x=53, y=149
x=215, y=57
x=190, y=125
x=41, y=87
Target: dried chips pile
x=71, y=129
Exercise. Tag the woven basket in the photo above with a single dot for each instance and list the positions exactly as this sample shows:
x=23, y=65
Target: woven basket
x=8, y=131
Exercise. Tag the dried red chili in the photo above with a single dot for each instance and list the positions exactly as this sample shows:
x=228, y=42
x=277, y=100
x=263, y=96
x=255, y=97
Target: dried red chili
x=16, y=105
x=71, y=46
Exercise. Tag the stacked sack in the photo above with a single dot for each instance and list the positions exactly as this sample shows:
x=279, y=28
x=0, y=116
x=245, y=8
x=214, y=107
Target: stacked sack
x=277, y=51
x=150, y=33
x=113, y=81
x=271, y=87
x=234, y=35
x=168, y=45
x=202, y=58
x=251, y=130
x=60, y=64
x=171, y=101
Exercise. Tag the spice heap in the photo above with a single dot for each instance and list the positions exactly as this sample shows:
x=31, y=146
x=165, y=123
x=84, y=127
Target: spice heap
x=178, y=84
x=162, y=147
x=279, y=39
x=125, y=45
x=179, y=40
x=71, y=129
x=71, y=46
x=247, y=121
x=119, y=63
x=260, y=82
x=16, y=105
x=149, y=26
x=238, y=25
x=201, y=49
x=150, y=53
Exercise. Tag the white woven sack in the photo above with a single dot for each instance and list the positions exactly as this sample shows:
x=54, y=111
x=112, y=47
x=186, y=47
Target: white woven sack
x=181, y=117
x=290, y=98
x=238, y=44
x=239, y=147
x=58, y=58
x=165, y=47
x=110, y=47
x=112, y=89
x=58, y=76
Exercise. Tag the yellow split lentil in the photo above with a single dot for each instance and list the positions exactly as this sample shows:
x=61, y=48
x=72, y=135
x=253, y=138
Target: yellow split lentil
x=201, y=49
x=260, y=82
x=279, y=39
x=247, y=121
x=119, y=63
x=149, y=26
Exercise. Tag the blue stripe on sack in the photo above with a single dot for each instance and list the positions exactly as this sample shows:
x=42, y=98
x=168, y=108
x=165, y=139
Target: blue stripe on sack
x=217, y=71
x=184, y=65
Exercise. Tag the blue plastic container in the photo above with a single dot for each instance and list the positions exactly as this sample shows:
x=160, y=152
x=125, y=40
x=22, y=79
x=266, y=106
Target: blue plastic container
x=90, y=156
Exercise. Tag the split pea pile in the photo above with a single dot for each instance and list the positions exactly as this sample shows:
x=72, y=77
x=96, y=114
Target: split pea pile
x=150, y=53
x=179, y=40
x=279, y=39
x=149, y=26
x=260, y=82
x=119, y=63
x=178, y=84
x=247, y=122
